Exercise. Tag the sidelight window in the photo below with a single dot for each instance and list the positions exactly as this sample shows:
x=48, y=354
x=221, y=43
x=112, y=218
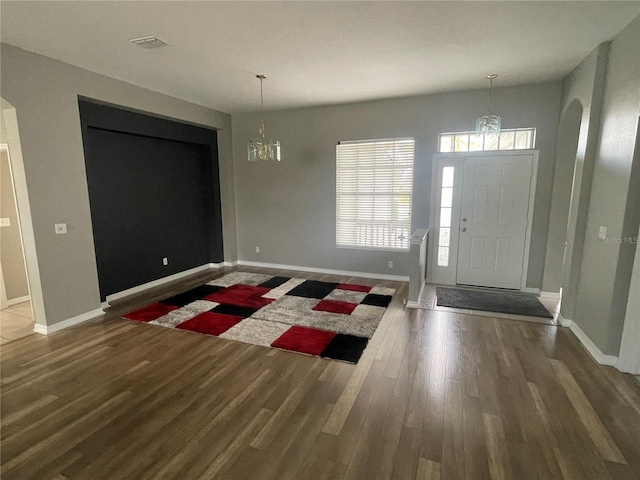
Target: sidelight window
x=446, y=207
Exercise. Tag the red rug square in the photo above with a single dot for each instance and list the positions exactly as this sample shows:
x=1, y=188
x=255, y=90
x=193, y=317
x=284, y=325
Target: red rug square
x=354, y=288
x=304, y=340
x=210, y=323
x=335, y=306
x=151, y=312
x=241, y=295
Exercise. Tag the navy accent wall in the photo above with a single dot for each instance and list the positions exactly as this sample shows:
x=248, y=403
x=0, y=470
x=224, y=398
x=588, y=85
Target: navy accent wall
x=154, y=192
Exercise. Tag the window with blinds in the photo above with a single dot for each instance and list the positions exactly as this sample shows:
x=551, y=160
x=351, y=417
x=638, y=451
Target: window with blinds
x=374, y=185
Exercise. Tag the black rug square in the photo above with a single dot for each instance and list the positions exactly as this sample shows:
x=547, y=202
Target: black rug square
x=274, y=282
x=516, y=303
x=243, y=312
x=192, y=295
x=313, y=289
x=377, y=300
x=345, y=347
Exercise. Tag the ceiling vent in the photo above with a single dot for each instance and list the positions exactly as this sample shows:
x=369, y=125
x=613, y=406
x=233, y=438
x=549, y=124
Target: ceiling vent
x=148, y=42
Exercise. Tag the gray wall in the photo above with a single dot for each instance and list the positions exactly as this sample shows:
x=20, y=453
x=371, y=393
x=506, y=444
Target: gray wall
x=14, y=271
x=583, y=88
x=44, y=93
x=605, y=270
x=289, y=209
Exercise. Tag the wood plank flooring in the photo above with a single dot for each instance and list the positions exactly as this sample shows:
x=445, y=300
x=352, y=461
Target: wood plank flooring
x=437, y=395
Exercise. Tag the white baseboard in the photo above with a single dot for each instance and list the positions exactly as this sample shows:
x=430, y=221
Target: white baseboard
x=224, y=264
x=378, y=276
x=565, y=322
x=551, y=295
x=159, y=282
x=416, y=303
x=47, y=329
x=15, y=301
x=535, y=291
x=591, y=347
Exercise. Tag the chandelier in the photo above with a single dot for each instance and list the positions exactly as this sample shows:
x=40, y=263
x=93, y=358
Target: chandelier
x=488, y=124
x=260, y=149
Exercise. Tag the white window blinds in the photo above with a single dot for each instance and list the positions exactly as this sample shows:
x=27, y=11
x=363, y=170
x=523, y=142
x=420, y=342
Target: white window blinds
x=374, y=185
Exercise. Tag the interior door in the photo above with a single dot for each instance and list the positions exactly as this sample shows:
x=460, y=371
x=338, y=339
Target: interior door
x=493, y=220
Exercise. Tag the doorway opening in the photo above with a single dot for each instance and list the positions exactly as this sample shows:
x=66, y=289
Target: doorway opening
x=567, y=180
x=482, y=210
x=16, y=316
x=21, y=301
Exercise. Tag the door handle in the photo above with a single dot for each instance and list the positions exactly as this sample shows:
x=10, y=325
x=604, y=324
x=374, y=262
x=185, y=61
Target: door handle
x=464, y=229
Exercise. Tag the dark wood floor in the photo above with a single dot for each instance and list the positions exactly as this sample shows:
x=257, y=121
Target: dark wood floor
x=436, y=395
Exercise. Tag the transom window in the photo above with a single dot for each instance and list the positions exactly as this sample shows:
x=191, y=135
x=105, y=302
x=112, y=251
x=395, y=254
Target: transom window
x=374, y=186
x=514, y=139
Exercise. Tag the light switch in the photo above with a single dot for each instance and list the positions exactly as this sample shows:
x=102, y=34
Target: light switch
x=61, y=228
x=602, y=233
x=5, y=222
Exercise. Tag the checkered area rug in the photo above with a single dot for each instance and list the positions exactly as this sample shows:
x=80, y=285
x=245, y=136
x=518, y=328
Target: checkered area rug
x=333, y=320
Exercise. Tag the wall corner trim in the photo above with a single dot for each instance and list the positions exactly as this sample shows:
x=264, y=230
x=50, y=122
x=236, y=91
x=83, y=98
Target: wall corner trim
x=534, y=290
x=591, y=347
x=411, y=304
x=378, y=276
x=564, y=322
x=83, y=317
x=226, y=263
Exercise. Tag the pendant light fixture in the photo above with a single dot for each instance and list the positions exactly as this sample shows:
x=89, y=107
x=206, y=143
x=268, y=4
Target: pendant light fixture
x=488, y=124
x=260, y=149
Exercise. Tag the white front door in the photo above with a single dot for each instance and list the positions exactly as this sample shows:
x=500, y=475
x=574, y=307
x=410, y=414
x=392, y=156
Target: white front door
x=493, y=220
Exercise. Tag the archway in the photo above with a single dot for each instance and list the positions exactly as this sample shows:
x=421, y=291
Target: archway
x=561, y=233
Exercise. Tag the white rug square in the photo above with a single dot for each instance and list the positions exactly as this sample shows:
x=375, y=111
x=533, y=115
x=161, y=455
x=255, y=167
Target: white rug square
x=299, y=311
x=258, y=332
x=200, y=306
x=383, y=291
x=346, y=296
x=284, y=288
x=175, y=318
x=368, y=311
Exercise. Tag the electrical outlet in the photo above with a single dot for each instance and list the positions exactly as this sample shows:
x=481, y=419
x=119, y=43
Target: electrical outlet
x=257, y=249
x=61, y=228
x=390, y=264
x=165, y=261
x=602, y=233
x=5, y=222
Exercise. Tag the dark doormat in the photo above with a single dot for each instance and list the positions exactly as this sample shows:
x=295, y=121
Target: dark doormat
x=516, y=303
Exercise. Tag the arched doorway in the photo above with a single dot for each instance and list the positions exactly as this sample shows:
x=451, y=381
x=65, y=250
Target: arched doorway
x=561, y=226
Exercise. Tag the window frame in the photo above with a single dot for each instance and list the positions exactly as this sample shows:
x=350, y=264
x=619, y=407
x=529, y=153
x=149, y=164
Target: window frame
x=469, y=135
x=395, y=194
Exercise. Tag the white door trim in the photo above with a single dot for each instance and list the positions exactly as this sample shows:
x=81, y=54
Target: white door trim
x=458, y=160
x=10, y=119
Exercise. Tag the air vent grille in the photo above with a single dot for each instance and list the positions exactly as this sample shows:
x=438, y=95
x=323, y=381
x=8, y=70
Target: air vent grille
x=148, y=42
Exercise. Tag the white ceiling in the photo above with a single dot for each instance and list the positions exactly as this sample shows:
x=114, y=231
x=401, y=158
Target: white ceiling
x=316, y=53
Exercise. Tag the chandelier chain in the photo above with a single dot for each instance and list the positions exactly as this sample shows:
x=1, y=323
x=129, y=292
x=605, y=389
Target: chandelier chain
x=261, y=129
x=490, y=77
